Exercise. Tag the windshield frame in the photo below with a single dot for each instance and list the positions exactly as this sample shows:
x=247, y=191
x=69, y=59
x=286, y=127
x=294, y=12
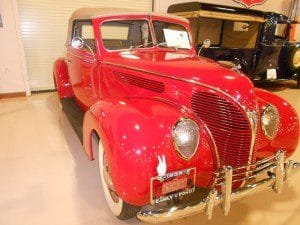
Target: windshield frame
x=175, y=23
x=102, y=51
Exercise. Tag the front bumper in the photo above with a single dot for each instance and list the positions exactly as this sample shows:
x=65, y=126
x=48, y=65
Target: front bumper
x=277, y=170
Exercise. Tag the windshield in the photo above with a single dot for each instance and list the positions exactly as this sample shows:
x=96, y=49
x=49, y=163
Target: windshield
x=171, y=35
x=225, y=33
x=126, y=34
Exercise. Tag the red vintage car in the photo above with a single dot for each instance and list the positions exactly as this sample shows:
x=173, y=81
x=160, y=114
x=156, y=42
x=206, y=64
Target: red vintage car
x=175, y=134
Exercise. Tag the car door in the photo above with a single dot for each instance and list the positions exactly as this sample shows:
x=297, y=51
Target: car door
x=82, y=65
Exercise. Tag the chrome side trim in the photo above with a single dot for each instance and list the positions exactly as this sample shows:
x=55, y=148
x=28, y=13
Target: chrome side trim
x=273, y=181
x=92, y=61
x=253, y=120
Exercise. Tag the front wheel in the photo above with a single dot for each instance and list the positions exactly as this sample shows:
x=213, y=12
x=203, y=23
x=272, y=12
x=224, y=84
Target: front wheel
x=119, y=208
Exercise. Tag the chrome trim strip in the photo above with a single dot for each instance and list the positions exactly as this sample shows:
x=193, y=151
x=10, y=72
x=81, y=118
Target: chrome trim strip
x=284, y=170
x=82, y=58
x=253, y=119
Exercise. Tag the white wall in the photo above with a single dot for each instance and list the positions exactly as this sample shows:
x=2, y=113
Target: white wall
x=13, y=75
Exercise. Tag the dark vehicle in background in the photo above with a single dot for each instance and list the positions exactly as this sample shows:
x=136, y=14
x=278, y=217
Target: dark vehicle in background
x=255, y=42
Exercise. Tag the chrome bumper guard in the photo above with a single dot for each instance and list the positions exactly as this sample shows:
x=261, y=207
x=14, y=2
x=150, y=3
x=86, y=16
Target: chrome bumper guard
x=276, y=169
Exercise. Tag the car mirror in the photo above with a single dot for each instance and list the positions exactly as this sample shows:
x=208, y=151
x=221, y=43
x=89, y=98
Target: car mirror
x=206, y=43
x=77, y=43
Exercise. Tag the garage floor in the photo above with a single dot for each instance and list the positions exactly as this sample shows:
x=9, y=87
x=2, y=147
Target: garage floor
x=46, y=178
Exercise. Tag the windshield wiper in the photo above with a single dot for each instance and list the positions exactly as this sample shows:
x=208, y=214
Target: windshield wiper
x=139, y=46
x=164, y=44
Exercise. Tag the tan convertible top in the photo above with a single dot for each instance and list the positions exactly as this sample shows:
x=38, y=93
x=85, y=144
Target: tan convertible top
x=89, y=13
x=220, y=15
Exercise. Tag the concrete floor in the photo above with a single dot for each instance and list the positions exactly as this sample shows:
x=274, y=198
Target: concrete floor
x=46, y=178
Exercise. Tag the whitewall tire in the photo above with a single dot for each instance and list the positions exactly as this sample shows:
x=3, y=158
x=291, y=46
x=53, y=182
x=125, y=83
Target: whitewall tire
x=118, y=207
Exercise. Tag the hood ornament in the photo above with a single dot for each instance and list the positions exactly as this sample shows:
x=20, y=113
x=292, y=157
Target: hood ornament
x=162, y=166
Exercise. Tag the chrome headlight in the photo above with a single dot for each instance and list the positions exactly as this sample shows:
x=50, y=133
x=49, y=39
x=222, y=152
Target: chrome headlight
x=270, y=121
x=186, y=137
x=296, y=59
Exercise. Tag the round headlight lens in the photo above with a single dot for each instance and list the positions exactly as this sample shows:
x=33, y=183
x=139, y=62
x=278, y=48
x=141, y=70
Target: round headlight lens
x=270, y=121
x=186, y=137
x=296, y=59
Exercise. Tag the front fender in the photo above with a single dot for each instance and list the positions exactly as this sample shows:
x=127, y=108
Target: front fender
x=134, y=132
x=288, y=131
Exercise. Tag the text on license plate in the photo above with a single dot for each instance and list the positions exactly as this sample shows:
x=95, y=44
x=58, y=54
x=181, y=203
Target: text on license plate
x=172, y=185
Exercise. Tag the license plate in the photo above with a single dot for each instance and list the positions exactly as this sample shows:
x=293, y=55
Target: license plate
x=271, y=74
x=172, y=185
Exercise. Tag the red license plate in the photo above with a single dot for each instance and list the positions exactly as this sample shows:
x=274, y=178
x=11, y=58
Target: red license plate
x=172, y=185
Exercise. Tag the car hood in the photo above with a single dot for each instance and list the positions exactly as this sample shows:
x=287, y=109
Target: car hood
x=190, y=68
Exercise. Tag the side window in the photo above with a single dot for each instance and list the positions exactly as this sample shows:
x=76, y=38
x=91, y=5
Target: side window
x=209, y=28
x=125, y=34
x=281, y=30
x=240, y=34
x=84, y=30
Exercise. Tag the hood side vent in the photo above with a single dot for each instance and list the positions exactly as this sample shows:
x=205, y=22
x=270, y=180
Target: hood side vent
x=141, y=82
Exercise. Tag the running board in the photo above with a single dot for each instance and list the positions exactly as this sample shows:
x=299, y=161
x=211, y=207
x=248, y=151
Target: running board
x=74, y=114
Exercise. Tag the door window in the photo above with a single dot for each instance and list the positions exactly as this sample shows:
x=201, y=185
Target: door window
x=84, y=30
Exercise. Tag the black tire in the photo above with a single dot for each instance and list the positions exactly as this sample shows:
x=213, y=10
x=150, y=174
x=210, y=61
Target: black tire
x=128, y=211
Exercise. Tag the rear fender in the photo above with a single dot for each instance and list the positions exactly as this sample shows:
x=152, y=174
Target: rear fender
x=134, y=133
x=288, y=131
x=61, y=78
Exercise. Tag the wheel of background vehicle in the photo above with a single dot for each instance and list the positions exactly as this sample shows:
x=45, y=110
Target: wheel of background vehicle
x=119, y=208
